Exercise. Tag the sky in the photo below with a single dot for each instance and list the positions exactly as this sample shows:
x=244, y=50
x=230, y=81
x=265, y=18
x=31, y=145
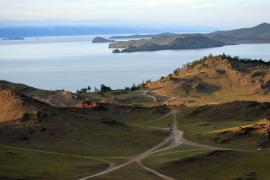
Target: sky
x=212, y=13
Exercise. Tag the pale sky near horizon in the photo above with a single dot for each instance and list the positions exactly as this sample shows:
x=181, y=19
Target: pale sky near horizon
x=219, y=13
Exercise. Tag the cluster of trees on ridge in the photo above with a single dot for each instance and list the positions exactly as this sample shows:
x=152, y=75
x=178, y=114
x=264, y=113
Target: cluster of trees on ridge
x=104, y=88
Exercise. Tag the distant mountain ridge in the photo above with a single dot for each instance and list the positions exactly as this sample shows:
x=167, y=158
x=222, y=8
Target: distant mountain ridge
x=257, y=34
x=36, y=31
x=32, y=30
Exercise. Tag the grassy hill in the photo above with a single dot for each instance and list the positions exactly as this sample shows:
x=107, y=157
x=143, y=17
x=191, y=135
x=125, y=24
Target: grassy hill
x=57, y=98
x=25, y=164
x=216, y=79
x=68, y=135
x=221, y=165
x=15, y=106
x=85, y=131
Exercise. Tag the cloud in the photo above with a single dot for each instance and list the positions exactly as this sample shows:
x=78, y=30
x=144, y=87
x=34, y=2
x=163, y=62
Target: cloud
x=137, y=11
x=143, y=3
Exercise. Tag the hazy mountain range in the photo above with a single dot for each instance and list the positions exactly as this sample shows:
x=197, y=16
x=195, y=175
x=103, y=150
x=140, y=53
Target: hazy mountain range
x=67, y=30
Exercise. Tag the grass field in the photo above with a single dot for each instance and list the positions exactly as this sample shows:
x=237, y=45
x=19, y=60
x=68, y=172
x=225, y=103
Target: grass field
x=23, y=164
x=96, y=139
x=201, y=130
x=138, y=97
x=131, y=172
x=84, y=133
x=150, y=118
x=221, y=165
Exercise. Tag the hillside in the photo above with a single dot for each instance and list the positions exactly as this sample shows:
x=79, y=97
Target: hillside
x=257, y=34
x=11, y=106
x=58, y=98
x=32, y=133
x=15, y=106
x=216, y=79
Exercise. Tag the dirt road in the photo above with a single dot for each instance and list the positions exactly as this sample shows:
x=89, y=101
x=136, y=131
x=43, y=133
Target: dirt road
x=177, y=139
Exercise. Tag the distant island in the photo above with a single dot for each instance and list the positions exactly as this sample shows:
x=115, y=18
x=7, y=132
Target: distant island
x=13, y=38
x=257, y=34
x=101, y=40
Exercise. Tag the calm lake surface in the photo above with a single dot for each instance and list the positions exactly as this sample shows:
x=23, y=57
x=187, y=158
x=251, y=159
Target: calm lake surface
x=72, y=63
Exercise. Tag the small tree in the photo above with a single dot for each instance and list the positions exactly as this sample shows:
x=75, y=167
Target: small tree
x=83, y=90
x=133, y=87
x=88, y=88
x=104, y=88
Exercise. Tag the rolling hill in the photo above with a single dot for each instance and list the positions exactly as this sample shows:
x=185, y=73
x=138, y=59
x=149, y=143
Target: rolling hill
x=216, y=79
x=15, y=106
x=34, y=135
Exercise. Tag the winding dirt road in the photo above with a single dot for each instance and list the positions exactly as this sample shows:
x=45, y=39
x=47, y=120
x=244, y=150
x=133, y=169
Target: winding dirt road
x=177, y=139
x=173, y=140
x=175, y=136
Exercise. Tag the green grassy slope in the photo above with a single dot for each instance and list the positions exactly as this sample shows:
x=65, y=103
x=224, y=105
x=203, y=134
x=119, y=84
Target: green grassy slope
x=131, y=172
x=94, y=134
x=21, y=164
x=222, y=165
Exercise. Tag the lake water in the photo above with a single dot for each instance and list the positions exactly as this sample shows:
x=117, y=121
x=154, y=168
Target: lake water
x=72, y=63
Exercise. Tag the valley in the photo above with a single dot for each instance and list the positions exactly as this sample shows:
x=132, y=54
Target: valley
x=206, y=120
